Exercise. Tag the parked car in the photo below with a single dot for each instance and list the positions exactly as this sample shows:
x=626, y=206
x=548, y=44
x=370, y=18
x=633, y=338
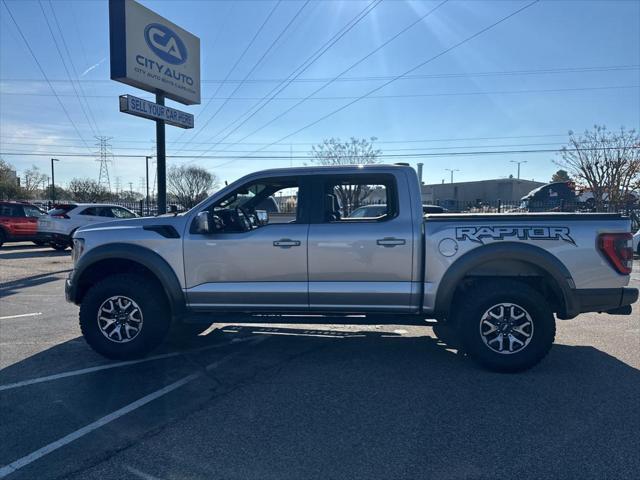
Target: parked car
x=552, y=197
x=63, y=220
x=433, y=209
x=369, y=211
x=497, y=282
x=379, y=210
x=636, y=242
x=19, y=223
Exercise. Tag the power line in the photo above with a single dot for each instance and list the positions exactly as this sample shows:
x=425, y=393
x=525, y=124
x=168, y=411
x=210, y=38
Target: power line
x=306, y=64
x=381, y=142
x=264, y=54
x=66, y=69
x=306, y=151
x=349, y=97
x=413, y=69
x=246, y=49
x=369, y=78
x=307, y=157
x=73, y=67
x=33, y=55
x=329, y=82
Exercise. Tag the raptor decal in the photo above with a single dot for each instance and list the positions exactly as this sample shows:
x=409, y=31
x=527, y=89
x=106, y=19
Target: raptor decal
x=478, y=234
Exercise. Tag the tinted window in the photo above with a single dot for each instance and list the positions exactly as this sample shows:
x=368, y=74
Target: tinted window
x=360, y=198
x=10, y=210
x=61, y=209
x=90, y=211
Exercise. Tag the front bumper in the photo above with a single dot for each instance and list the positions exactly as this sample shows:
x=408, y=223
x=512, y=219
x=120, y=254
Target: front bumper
x=616, y=301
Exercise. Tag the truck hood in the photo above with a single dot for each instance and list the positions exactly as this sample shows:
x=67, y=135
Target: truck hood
x=131, y=223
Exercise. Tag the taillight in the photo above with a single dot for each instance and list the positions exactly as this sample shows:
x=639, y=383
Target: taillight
x=618, y=249
x=60, y=216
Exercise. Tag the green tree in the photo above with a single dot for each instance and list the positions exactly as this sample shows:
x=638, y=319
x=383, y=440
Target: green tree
x=9, y=183
x=86, y=190
x=561, y=176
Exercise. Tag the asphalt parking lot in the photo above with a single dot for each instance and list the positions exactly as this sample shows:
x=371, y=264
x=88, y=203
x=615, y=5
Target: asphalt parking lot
x=280, y=402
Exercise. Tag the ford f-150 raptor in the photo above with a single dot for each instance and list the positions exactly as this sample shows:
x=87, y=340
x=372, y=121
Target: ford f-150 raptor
x=496, y=281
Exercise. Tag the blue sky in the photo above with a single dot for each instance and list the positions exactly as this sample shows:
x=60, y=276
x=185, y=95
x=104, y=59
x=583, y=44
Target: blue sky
x=581, y=58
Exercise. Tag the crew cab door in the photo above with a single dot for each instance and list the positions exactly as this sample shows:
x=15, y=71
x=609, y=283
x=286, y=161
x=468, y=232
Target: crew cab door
x=263, y=268
x=361, y=263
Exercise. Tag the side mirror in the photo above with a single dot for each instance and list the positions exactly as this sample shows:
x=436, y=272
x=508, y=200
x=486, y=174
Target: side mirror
x=202, y=223
x=263, y=217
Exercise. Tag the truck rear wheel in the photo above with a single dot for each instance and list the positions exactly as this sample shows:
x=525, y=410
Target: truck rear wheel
x=121, y=317
x=506, y=326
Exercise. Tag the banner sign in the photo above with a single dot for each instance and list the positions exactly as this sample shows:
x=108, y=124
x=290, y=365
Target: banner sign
x=146, y=109
x=152, y=53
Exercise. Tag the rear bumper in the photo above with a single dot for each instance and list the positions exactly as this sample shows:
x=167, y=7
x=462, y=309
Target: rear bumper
x=53, y=237
x=616, y=301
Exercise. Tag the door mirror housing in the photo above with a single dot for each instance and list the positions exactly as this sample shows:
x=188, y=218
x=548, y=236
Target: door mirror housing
x=203, y=223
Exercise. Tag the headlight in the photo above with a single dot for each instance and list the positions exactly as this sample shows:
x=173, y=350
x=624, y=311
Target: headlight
x=78, y=248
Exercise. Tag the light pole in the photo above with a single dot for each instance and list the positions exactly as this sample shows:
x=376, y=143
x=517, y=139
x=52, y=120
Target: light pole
x=518, y=162
x=53, y=181
x=452, y=170
x=147, y=183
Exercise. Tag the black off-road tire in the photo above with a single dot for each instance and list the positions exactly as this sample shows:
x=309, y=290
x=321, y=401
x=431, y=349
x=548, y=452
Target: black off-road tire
x=476, y=302
x=3, y=237
x=154, y=308
x=59, y=247
x=39, y=243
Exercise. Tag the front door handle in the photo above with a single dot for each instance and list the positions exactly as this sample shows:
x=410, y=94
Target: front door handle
x=286, y=243
x=390, y=241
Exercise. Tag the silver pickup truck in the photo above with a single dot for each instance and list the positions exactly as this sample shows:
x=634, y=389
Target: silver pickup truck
x=283, y=241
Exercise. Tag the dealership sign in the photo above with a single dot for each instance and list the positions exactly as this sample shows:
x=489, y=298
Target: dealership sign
x=152, y=53
x=146, y=109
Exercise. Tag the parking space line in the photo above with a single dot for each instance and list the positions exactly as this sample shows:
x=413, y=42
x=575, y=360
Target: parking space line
x=53, y=446
x=34, y=314
x=108, y=366
x=41, y=452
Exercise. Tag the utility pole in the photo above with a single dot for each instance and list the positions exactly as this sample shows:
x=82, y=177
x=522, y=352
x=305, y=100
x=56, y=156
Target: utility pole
x=161, y=160
x=452, y=170
x=53, y=181
x=146, y=198
x=104, y=157
x=518, y=162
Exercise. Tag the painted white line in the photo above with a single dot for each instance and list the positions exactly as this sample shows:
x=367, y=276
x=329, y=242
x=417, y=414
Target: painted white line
x=35, y=314
x=108, y=366
x=53, y=446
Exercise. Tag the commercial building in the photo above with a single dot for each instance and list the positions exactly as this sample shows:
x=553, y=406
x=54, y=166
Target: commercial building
x=507, y=190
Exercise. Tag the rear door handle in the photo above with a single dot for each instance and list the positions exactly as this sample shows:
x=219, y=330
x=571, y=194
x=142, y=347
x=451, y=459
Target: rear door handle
x=286, y=243
x=391, y=241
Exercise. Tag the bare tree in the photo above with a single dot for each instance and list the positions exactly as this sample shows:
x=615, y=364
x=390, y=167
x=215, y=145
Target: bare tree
x=87, y=190
x=34, y=181
x=189, y=185
x=607, y=163
x=355, y=151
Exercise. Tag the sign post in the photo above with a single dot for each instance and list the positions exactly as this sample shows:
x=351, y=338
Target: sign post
x=151, y=53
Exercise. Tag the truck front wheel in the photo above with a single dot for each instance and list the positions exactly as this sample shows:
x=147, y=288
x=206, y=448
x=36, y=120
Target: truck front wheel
x=121, y=317
x=506, y=326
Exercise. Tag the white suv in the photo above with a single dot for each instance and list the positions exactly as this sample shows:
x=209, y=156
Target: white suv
x=636, y=242
x=62, y=221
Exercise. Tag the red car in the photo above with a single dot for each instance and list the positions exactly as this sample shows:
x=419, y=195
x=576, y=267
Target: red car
x=19, y=223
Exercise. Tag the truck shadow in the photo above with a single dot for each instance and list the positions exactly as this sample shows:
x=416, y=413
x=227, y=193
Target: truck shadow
x=15, y=286
x=385, y=404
